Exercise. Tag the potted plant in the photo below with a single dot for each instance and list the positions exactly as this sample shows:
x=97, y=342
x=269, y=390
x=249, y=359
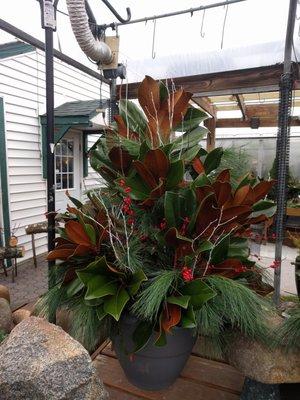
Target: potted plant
x=159, y=253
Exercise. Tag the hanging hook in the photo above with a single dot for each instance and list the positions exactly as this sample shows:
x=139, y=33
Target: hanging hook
x=153, y=39
x=116, y=14
x=202, y=33
x=224, y=24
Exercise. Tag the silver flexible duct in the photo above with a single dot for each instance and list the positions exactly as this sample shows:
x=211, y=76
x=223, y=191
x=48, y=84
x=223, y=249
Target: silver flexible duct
x=94, y=49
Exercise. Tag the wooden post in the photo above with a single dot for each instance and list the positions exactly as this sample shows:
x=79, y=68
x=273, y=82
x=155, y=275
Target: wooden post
x=210, y=124
x=33, y=250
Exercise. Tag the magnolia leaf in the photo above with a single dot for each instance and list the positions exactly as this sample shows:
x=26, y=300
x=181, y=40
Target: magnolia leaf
x=76, y=233
x=172, y=205
x=171, y=316
x=188, y=155
x=157, y=162
x=145, y=174
x=142, y=335
x=201, y=180
x=265, y=207
x=136, y=281
x=204, y=246
x=188, y=319
x=133, y=117
x=76, y=202
x=74, y=287
x=114, y=305
x=182, y=301
x=238, y=248
x=163, y=91
x=190, y=138
x=261, y=189
x=100, y=312
x=175, y=174
x=139, y=190
x=90, y=230
x=220, y=250
x=213, y=159
x=99, y=286
x=193, y=117
x=199, y=292
x=224, y=176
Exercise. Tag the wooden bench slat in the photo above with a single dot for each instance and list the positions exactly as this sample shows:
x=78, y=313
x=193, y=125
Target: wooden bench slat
x=184, y=389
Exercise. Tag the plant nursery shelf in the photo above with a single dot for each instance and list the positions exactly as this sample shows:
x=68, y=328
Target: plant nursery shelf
x=200, y=379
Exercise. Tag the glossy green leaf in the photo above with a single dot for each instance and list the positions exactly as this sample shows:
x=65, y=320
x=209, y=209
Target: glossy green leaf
x=220, y=251
x=74, y=287
x=199, y=292
x=204, y=246
x=193, y=117
x=190, y=138
x=188, y=319
x=238, y=248
x=213, y=159
x=136, y=281
x=90, y=230
x=139, y=190
x=100, y=286
x=201, y=180
x=263, y=207
x=142, y=335
x=182, y=301
x=175, y=174
x=133, y=116
x=76, y=202
x=114, y=305
x=172, y=205
x=100, y=312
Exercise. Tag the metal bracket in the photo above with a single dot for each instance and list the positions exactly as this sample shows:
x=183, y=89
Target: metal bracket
x=116, y=14
x=48, y=13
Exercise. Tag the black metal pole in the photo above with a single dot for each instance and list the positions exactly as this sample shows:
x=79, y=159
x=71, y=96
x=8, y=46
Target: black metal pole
x=48, y=14
x=283, y=146
x=50, y=136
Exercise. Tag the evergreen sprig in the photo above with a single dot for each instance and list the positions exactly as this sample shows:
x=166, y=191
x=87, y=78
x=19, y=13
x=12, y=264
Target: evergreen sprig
x=151, y=298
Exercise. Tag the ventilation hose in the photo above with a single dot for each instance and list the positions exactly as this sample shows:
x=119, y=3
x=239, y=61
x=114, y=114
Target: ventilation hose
x=96, y=50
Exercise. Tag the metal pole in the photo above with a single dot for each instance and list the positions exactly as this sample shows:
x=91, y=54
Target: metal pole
x=283, y=146
x=49, y=24
x=172, y=14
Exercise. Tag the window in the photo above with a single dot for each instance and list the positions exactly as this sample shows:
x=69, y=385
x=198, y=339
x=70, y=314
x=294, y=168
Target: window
x=64, y=164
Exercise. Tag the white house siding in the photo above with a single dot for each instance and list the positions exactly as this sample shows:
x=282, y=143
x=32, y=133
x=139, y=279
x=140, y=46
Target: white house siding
x=22, y=85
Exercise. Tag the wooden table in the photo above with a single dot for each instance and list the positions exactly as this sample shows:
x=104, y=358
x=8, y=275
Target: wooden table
x=200, y=379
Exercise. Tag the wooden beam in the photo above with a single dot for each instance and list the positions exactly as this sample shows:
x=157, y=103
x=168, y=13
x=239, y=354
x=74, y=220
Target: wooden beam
x=206, y=105
x=262, y=110
x=250, y=80
x=241, y=104
x=210, y=124
x=264, y=123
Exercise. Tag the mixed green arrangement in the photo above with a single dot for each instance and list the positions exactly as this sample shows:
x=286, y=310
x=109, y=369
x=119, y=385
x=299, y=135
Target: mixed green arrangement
x=165, y=238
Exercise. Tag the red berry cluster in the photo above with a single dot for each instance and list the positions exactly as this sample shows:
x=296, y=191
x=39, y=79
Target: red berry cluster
x=127, y=203
x=163, y=224
x=187, y=274
x=184, y=226
x=240, y=269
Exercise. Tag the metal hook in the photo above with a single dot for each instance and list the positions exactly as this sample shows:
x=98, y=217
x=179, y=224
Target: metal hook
x=153, y=39
x=202, y=33
x=116, y=14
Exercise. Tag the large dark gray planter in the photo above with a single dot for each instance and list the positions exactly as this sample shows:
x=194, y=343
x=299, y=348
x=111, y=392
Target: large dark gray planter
x=152, y=368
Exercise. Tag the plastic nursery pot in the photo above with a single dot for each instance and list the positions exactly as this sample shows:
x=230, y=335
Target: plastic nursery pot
x=152, y=367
